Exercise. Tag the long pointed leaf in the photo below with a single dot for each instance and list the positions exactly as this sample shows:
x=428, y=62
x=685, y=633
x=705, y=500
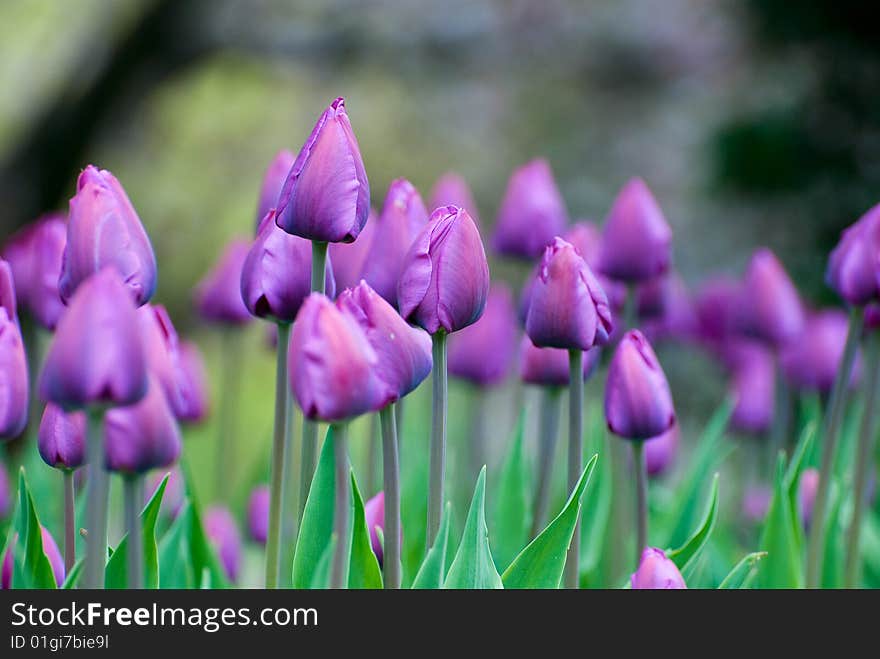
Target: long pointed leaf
x=743, y=572
x=31, y=567
x=512, y=510
x=431, y=574
x=364, y=571
x=685, y=557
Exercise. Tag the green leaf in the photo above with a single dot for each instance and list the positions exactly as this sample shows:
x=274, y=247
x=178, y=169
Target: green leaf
x=175, y=568
x=685, y=557
x=512, y=512
x=473, y=566
x=833, y=557
x=31, y=567
x=542, y=563
x=596, y=512
x=73, y=576
x=783, y=567
x=743, y=573
x=363, y=571
x=201, y=552
x=321, y=575
x=431, y=574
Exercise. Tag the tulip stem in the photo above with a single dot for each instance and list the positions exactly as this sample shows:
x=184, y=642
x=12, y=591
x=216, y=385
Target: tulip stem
x=69, y=521
x=863, y=462
x=133, y=497
x=290, y=522
x=339, y=570
x=641, y=499
x=372, y=455
x=226, y=461
x=398, y=423
x=438, y=437
x=575, y=456
x=391, y=488
x=97, y=495
x=319, y=266
x=833, y=416
x=276, y=479
x=309, y=461
x=477, y=444
x=549, y=430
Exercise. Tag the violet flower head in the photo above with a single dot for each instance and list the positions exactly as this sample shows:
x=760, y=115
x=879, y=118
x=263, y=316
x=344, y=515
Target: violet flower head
x=637, y=241
x=638, y=403
x=273, y=181
x=549, y=367
x=195, y=384
x=587, y=239
x=568, y=308
x=258, y=514
x=162, y=350
x=62, y=438
x=5, y=493
x=224, y=536
x=656, y=572
x=666, y=308
x=218, y=294
x=660, y=451
x=483, y=352
x=773, y=308
x=532, y=212
x=276, y=276
x=754, y=388
x=403, y=351
x=402, y=218
x=445, y=279
x=14, y=387
x=811, y=360
x=806, y=495
x=854, y=266
x=326, y=196
x=451, y=189
x=374, y=513
x=51, y=551
x=719, y=309
x=103, y=230
x=97, y=355
x=349, y=258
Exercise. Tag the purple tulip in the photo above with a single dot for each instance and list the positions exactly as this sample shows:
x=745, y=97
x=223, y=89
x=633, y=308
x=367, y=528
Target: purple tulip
x=810, y=361
x=97, y=356
x=5, y=493
x=568, y=308
x=273, y=181
x=452, y=190
x=223, y=534
x=218, y=295
x=374, y=512
x=162, y=349
x=854, y=265
x=483, y=353
x=14, y=388
x=656, y=572
x=51, y=551
x=403, y=352
x=756, y=503
x=403, y=217
x=349, y=258
x=638, y=404
x=587, y=239
x=637, y=241
x=276, y=276
x=103, y=229
x=872, y=317
x=35, y=254
x=142, y=436
x=549, y=367
x=62, y=438
x=332, y=365
x=326, y=196
x=773, y=309
x=660, y=451
x=754, y=388
x=258, y=514
x=666, y=309
x=445, y=278
x=806, y=495
x=195, y=384
x=532, y=212
x=719, y=309
x=174, y=495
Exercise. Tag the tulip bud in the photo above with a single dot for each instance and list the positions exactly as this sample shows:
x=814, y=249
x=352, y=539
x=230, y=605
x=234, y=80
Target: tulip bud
x=656, y=572
x=665, y=307
x=660, y=451
x=403, y=352
x=195, y=384
x=326, y=196
x=218, y=295
x=223, y=534
x=258, y=514
x=273, y=181
x=587, y=240
x=637, y=241
x=162, y=350
x=568, y=308
x=719, y=309
x=532, y=212
x=806, y=495
x=756, y=503
x=174, y=495
x=14, y=389
x=452, y=190
x=5, y=493
x=773, y=310
x=332, y=365
x=62, y=438
x=549, y=367
x=445, y=279
x=854, y=266
x=403, y=217
x=754, y=388
x=374, y=514
x=103, y=230
x=51, y=551
x=349, y=258
x=142, y=436
x=483, y=353
x=638, y=404
x=811, y=360
x=97, y=355
x=276, y=276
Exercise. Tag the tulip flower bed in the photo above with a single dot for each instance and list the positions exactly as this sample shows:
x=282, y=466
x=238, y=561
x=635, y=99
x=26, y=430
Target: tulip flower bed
x=400, y=364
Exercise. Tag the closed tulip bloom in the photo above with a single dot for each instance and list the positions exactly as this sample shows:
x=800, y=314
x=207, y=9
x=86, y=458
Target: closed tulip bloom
x=445, y=278
x=773, y=309
x=103, y=230
x=637, y=241
x=258, y=514
x=660, y=451
x=811, y=360
x=276, y=276
x=587, y=239
x=403, y=351
x=332, y=365
x=14, y=388
x=452, y=190
x=656, y=572
x=35, y=254
x=754, y=385
x=374, y=513
x=568, y=308
x=666, y=308
x=223, y=534
x=97, y=355
x=719, y=309
x=162, y=350
x=403, y=217
x=51, y=551
x=532, y=212
x=195, y=384
x=349, y=258
x=638, y=404
x=218, y=295
x=143, y=436
x=854, y=266
x=5, y=493
x=326, y=196
x=273, y=181
x=806, y=495
x=62, y=438
x=549, y=367
x=483, y=353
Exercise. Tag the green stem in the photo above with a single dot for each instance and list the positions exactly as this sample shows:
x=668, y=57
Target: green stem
x=97, y=502
x=226, y=458
x=398, y=422
x=372, y=455
x=477, y=444
x=549, y=431
x=391, y=488
x=641, y=499
x=290, y=522
x=133, y=497
x=69, y=521
x=319, y=266
x=833, y=417
x=276, y=480
x=438, y=438
x=575, y=457
x=782, y=421
x=339, y=569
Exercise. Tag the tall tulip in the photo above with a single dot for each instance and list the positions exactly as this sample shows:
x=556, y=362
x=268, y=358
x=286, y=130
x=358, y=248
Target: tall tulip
x=753, y=382
x=273, y=182
x=656, y=571
x=451, y=189
x=773, y=309
x=224, y=536
x=195, y=384
x=258, y=514
x=13, y=362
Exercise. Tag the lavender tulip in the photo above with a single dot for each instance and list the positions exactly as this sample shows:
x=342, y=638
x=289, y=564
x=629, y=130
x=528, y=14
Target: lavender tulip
x=483, y=353
x=162, y=349
x=218, y=295
x=587, y=239
x=326, y=197
x=222, y=532
x=14, y=389
x=51, y=551
x=806, y=495
x=5, y=493
x=374, y=513
x=753, y=384
x=532, y=212
x=854, y=266
x=719, y=309
x=656, y=572
x=273, y=182
x=549, y=367
x=258, y=514
x=660, y=451
x=349, y=258
x=195, y=384
x=811, y=360
x=773, y=309
x=452, y=190
x=62, y=438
